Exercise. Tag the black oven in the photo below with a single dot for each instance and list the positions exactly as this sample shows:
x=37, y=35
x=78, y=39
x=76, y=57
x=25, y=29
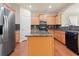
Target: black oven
x=72, y=41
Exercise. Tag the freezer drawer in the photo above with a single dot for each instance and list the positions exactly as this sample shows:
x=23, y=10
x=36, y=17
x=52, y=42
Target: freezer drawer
x=0, y=45
x=0, y=49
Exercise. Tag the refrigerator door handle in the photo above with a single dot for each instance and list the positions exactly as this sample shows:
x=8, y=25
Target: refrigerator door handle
x=4, y=28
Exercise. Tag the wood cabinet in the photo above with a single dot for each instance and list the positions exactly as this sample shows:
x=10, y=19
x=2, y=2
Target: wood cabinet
x=40, y=46
x=35, y=21
x=51, y=31
x=51, y=20
x=17, y=36
x=59, y=35
x=58, y=20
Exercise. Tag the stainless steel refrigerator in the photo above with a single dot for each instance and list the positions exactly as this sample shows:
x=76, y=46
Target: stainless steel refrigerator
x=7, y=31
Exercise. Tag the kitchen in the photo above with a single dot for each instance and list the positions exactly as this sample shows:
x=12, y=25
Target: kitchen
x=51, y=29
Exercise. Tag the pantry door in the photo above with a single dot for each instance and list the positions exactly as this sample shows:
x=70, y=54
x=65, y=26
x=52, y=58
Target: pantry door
x=25, y=24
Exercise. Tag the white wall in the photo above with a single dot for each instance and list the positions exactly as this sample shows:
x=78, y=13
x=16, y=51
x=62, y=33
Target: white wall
x=17, y=15
x=72, y=10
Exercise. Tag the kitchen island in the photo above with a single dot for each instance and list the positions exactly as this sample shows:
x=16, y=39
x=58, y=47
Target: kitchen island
x=40, y=44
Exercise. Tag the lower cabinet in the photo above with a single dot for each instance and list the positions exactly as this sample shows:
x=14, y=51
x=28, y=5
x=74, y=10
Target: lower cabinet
x=17, y=34
x=59, y=35
x=40, y=46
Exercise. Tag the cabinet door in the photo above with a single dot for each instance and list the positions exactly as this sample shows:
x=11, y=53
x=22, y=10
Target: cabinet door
x=59, y=35
x=62, y=37
x=55, y=34
x=51, y=20
x=17, y=36
x=35, y=21
x=40, y=46
x=58, y=20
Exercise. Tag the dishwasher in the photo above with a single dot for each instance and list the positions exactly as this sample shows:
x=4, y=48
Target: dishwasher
x=72, y=41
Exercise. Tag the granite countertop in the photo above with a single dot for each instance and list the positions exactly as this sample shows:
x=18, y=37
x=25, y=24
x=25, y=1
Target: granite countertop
x=71, y=31
x=58, y=29
x=67, y=30
x=44, y=34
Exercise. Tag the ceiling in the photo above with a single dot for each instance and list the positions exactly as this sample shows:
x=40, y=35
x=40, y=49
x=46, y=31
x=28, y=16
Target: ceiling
x=44, y=7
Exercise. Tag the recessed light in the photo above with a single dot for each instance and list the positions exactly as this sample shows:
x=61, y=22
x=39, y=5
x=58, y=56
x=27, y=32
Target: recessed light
x=50, y=6
x=30, y=6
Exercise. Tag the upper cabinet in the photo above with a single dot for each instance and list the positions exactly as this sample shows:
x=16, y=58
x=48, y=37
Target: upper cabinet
x=35, y=21
x=58, y=20
x=51, y=20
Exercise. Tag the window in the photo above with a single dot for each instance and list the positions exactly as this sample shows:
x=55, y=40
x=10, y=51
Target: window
x=73, y=20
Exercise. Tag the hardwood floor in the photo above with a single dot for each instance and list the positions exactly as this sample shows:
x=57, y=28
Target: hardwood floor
x=60, y=50
x=21, y=49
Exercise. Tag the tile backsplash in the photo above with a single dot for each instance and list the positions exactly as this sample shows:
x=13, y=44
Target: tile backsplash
x=48, y=26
